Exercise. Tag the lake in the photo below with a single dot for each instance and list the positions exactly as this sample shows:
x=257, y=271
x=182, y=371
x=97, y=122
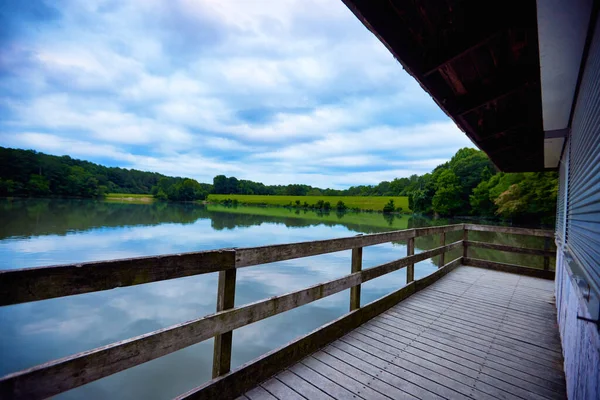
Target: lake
x=37, y=232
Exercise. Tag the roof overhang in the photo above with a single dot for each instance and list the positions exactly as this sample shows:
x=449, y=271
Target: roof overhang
x=562, y=29
x=479, y=61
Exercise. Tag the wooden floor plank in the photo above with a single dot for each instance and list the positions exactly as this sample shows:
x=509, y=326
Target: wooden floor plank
x=546, y=387
x=304, y=388
x=474, y=334
x=474, y=327
x=386, y=372
x=280, y=390
x=343, y=380
x=258, y=393
x=322, y=382
x=444, y=376
x=332, y=355
x=379, y=356
x=409, y=313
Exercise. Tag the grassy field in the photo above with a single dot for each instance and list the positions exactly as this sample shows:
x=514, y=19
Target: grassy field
x=365, y=220
x=374, y=203
x=129, y=198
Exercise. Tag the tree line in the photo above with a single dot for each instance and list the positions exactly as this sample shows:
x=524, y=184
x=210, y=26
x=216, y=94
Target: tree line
x=468, y=184
x=28, y=173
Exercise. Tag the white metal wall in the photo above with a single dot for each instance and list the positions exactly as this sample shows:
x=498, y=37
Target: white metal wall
x=583, y=199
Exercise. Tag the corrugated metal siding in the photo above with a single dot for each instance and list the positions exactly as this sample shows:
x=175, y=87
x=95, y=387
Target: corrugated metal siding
x=583, y=208
x=560, y=200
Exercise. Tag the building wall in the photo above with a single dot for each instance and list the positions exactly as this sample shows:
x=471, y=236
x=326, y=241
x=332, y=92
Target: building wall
x=578, y=237
x=580, y=339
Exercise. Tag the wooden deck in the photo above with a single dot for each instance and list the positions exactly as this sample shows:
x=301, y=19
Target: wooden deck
x=476, y=333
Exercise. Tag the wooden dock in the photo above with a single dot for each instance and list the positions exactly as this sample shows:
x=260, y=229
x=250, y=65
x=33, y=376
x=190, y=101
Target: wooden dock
x=475, y=333
x=486, y=331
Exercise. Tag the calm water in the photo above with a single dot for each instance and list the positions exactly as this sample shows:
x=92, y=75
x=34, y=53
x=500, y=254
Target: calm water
x=43, y=232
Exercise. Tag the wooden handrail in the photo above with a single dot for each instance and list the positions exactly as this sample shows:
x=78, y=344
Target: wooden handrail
x=41, y=283
x=510, y=249
x=57, y=376
x=267, y=254
x=513, y=268
x=510, y=230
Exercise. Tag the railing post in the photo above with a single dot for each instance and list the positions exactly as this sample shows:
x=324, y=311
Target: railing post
x=442, y=243
x=410, y=268
x=356, y=267
x=465, y=239
x=225, y=300
x=547, y=258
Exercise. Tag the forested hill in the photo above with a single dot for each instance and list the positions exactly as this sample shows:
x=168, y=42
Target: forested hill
x=29, y=173
x=468, y=184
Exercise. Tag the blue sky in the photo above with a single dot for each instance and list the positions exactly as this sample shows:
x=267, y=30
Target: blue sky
x=278, y=91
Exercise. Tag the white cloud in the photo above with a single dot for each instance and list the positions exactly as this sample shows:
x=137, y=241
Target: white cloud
x=273, y=91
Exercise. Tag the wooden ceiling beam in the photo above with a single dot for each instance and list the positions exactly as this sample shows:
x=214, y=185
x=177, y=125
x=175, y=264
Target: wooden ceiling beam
x=478, y=101
x=498, y=134
x=442, y=61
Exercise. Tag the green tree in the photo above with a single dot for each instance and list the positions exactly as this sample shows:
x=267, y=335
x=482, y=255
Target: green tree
x=341, y=206
x=389, y=207
x=38, y=185
x=447, y=198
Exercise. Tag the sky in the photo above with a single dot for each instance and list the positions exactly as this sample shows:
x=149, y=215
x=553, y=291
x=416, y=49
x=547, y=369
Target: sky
x=278, y=91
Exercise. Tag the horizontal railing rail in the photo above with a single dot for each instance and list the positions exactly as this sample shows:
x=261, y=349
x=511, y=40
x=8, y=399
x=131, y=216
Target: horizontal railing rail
x=54, y=377
x=41, y=283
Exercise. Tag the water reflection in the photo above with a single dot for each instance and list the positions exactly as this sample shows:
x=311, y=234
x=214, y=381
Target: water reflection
x=42, y=232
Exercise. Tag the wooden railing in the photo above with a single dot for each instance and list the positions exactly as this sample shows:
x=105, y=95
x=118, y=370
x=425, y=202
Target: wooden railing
x=51, y=378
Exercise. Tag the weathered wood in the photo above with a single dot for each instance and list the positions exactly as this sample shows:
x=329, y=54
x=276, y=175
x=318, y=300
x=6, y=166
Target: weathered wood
x=351, y=369
x=302, y=387
x=64, y=374
x=32, y=284
x=383, y=269
x=280, y=390
x=259, y=393
x=248, y=375
x=47, y=282
x=266, y=254
x=510, y=230
x=40, y=283
x=410, y=250
x=57, y=376
x=356, y=267
x=356, y=387
x=429, y=279
x=547, y=257
x=465, y=240
x=442, y=243
x=225, y=301
x=511, y=249
x=435, y=230
x=516, y=269
x=333, y=389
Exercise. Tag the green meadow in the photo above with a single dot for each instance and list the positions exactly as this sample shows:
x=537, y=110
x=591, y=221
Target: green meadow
x=374, y=203
x=358, y=220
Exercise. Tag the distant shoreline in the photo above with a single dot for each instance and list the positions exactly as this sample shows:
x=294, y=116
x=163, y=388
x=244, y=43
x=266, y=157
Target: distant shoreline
x=129, y=198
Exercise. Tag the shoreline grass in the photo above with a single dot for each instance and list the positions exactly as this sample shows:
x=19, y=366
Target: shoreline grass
x=129, y=198
x=383, y=221
x=363, y=203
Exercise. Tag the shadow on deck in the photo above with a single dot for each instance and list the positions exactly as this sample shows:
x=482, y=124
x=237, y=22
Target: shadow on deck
x=475, y=333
